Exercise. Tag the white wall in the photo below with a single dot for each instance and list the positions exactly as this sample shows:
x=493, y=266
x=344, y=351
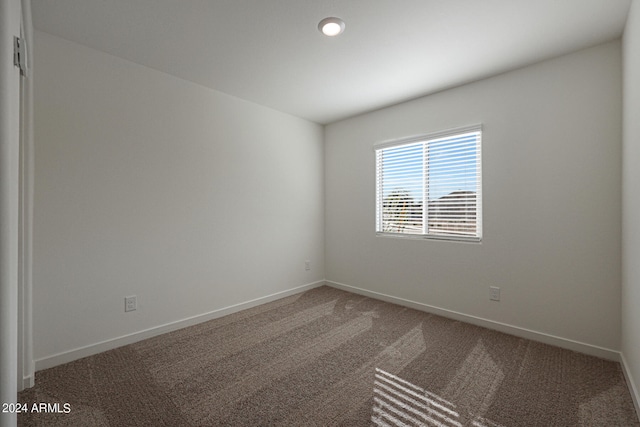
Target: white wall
x=146, y=184
x=631, y=199
x=552, y=197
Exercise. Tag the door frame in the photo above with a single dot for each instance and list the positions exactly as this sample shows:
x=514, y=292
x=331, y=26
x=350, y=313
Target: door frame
x=10, y=22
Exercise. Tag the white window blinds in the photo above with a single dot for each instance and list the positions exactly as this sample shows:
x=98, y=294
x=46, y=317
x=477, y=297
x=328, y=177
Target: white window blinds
x=430, y=186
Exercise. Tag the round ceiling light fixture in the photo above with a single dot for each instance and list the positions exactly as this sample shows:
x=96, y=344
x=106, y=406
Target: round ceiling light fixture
x=331, y=26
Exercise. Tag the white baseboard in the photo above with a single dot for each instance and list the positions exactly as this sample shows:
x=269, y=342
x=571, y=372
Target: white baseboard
x=89, y=350
x=27, y=382
x=589, y=349
x=78, y=353
x=635, y=396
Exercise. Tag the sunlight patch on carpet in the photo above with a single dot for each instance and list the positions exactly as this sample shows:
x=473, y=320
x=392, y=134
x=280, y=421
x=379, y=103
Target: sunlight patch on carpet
x=399, y=402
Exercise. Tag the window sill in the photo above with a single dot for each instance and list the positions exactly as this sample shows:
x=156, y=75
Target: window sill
x=460, y=239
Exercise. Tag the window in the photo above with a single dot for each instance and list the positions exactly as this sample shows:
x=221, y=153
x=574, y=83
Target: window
x=430, y=186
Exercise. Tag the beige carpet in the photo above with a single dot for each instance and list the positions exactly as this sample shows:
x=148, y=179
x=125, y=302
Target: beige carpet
x=329, y=357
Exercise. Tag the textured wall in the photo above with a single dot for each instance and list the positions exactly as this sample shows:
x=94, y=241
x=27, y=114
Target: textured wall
x=552, y=196
x=631, y=197
x=149, y=185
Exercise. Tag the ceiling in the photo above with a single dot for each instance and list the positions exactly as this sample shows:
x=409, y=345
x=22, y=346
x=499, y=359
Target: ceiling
x=270, y=51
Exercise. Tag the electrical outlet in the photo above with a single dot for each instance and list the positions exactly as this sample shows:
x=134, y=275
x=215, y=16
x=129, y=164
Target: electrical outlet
x=130, y=303
x=494, y=293
x=307, y=265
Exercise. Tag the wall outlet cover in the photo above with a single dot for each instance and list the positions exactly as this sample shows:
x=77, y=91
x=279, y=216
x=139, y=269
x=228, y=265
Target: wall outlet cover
x=130, y=303
x=494, y=293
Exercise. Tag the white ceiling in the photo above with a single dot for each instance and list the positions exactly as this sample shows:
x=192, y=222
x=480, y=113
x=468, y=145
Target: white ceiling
x=270, y=51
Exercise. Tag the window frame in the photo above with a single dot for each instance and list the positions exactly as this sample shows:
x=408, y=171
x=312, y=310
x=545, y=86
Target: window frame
x=426, y=139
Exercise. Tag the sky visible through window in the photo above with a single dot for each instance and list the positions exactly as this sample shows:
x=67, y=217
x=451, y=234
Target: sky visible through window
x=404, y=166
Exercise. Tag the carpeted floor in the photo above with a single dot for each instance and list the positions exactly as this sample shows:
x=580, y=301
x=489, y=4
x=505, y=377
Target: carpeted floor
x=329, y=357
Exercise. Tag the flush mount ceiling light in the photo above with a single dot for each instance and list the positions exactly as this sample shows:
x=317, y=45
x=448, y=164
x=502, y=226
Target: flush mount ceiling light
x=331, y=26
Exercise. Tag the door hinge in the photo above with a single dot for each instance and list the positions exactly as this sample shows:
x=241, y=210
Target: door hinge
x=20, y=54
